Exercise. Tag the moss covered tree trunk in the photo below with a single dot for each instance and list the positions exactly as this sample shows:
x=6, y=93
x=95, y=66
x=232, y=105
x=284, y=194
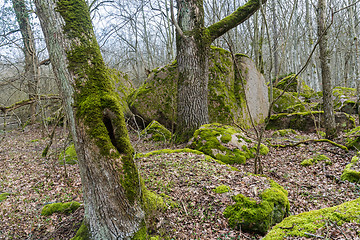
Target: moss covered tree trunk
x=31, y=60
x=193, y=47
x=110, y=180
x=330, y=125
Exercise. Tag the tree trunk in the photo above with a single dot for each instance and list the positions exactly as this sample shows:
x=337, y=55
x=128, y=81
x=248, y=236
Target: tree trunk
x=111, y=185
x=193, y=46
x=192, y=59
x=330, y=126
x=31, y=60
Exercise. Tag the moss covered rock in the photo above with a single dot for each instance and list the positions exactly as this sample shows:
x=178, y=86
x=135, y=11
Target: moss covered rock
x=308, y=222
x=156, y=132
x=252, y=216
x=352, y=139
x=224, y=143
x=305, y=121
x=316, y=159
x=156, y=99
x=66, y=208
x=284, y=133
x=288, y=82
x=69, y=155
x=287, y=100
x=351, y=172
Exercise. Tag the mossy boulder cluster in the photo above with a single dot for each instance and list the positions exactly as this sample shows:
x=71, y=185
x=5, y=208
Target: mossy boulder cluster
x=156, y=99
x=299, y=226
x=307, y=121
x=224, y=143
x=249, y=215
x=351, y=172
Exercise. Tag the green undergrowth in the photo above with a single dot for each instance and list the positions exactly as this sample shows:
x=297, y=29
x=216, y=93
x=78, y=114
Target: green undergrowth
x=65, y=208
x=309, y=222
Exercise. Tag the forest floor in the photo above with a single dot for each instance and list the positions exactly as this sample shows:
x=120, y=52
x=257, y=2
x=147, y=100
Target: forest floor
x=33, y=181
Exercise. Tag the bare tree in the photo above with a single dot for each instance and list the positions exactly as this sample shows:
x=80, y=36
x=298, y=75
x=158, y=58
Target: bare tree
x=330, y=126
x=31, y=60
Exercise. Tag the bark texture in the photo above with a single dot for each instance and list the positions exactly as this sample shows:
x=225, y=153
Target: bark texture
x=193, y=47
x=31, y=60
x=330, y=125
x=111, y=185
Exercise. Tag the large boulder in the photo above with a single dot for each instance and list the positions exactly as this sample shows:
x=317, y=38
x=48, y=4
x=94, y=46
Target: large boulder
x=156, y=99
x=224, y=143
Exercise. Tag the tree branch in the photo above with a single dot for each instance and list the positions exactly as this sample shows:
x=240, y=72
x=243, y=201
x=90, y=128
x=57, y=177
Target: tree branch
x=239, y=16
x=178, y=28
x=5, y=109
x=312, y=140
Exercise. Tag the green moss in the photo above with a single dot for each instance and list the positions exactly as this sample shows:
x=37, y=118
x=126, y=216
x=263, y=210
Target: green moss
x=156, y=132
x=352, y=139
x=70, y=155
x=288, y=83
x=4, y=196
x=264, y=150
x=287, y=101
x=141, y=234
x=82, y=233
x=307, y=162
x=66, y=208
x=283, y=132
x=315, y=160
x=222, y=189
x=349, y=173
x=253, y=216
x=224, y=143
x=309, y=222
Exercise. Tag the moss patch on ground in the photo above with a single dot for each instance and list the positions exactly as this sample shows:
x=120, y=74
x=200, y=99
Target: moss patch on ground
x=249, y=215
x=222, y=189
x=4, y=196
x=65, y=208
x=309, y=222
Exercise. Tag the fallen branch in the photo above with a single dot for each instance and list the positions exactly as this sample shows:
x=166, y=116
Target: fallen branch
x=313, y=235
x=14, y=106
x=309, y=141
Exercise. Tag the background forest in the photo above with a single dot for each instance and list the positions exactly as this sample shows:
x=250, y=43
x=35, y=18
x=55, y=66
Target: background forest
x=61, y=147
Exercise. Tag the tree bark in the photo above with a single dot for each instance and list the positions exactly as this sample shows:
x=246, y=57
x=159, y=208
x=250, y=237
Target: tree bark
x=193, y=47
x=111, y=186
x=330, y=125
x=31, y=60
